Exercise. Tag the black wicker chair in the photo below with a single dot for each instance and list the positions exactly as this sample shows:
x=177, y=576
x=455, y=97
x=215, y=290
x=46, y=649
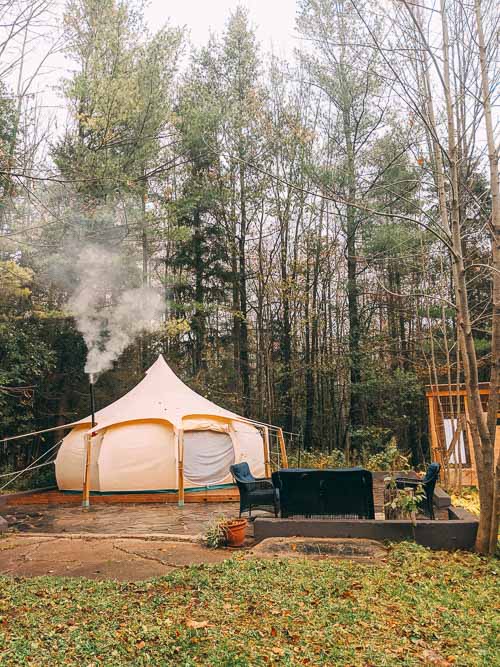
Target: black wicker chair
x=428, y=483
x=344, y=493
x=254, y=492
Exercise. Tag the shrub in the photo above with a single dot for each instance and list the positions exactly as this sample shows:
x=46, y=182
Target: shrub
x=215, y=534
x=390, y=458
x=317, y=459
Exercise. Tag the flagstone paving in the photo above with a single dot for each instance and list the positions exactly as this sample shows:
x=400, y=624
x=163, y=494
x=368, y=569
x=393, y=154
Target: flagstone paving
x=140, y=519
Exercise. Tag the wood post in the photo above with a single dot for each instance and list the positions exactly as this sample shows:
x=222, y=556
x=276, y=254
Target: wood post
x=432, y=424
x=86, y=475
x=180, y=453
x=267, y=462
x=473, y=481
x=284, y=457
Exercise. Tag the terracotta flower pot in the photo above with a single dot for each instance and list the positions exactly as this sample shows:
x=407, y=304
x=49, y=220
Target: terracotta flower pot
x=235, y=530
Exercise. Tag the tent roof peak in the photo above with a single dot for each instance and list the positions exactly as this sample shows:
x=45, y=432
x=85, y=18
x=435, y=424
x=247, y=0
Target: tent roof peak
x=161, y=394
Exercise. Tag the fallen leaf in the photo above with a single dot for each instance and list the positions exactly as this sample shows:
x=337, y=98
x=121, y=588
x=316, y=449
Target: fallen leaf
x=431, y=657
x=196, y=625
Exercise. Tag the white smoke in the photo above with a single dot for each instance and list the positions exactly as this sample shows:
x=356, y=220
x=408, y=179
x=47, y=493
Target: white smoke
x=109, y=314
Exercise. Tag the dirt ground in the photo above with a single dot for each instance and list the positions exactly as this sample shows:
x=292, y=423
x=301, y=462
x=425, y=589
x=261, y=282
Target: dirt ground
x=124, y=559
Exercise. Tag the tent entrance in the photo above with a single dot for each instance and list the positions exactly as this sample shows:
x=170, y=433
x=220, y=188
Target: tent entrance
x=207, y=456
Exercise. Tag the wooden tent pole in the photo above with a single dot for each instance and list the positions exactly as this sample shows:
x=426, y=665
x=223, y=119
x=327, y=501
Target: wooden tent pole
x=181, y=468
x=267, y=462
x=86, y=477
x=284, y=457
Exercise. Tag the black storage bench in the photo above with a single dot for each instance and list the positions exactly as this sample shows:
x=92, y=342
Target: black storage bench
x=342, y=493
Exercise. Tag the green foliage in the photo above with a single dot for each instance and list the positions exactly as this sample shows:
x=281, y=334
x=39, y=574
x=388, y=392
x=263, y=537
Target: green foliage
x=387, y=456
x=25, y=359
x=216, y=181
x=119, y=96
x=215, y=534
x=40, y=478
x=8, y=135
x=176, y=327
x=405, y=502
x=483, y=346
x=317, y=459
x=418, y=607
x=16, y=282
x=390, y=458
x=393, y=400
x=370, y=439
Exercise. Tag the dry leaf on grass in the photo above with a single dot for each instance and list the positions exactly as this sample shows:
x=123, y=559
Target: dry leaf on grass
x=196, y=625
x=431, y=657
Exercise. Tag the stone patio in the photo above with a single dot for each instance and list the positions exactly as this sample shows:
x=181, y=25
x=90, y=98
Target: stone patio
x=161, y=518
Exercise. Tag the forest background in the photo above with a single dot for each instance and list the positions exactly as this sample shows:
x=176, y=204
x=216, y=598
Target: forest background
x=288, y=212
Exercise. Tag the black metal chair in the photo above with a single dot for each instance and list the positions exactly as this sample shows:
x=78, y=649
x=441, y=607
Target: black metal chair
x=254, y=492
x=343, y=493
x=428, y=484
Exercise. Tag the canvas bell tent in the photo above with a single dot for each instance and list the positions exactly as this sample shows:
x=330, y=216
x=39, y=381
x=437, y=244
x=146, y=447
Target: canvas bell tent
x=161, y=436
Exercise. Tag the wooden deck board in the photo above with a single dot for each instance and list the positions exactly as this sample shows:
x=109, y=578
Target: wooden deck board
x=230, y=494
x=56, y=497
x=225, y=495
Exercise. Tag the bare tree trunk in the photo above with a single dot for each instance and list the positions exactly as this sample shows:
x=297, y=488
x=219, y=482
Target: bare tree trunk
x=480, y=435
x=244, y=351
x=235, y=291
x=493, y=402
x=286, y=331
x=355, y=413
x=199, y=317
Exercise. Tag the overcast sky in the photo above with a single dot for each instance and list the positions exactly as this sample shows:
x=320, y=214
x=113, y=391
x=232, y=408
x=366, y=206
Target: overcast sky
x=274, y=20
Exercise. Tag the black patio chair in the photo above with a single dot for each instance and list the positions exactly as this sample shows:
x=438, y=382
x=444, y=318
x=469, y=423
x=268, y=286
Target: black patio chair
x=428, y=484
x=343, y=493
x=255, y=492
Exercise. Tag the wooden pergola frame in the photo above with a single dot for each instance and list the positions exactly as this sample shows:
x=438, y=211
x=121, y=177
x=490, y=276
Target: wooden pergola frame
x=441, y=451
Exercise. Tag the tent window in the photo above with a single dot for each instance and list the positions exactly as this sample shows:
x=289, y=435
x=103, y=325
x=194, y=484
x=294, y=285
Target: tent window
x=207, y=456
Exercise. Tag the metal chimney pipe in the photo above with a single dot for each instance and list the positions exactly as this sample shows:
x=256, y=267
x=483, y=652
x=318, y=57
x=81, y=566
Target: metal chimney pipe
x=88, y=446
x=92, y=398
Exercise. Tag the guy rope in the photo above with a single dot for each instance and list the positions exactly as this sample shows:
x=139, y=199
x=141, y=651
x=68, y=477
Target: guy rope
x=32, y=466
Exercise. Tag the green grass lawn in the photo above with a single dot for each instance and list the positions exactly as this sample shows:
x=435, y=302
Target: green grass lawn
x=416, y=608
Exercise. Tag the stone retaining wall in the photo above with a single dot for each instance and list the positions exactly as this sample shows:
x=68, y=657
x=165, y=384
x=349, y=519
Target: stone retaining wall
x=459, y=532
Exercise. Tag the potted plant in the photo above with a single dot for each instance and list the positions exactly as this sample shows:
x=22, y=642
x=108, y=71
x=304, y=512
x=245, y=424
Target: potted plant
x=235, y=530
x=404, y=503
x=225, y=532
